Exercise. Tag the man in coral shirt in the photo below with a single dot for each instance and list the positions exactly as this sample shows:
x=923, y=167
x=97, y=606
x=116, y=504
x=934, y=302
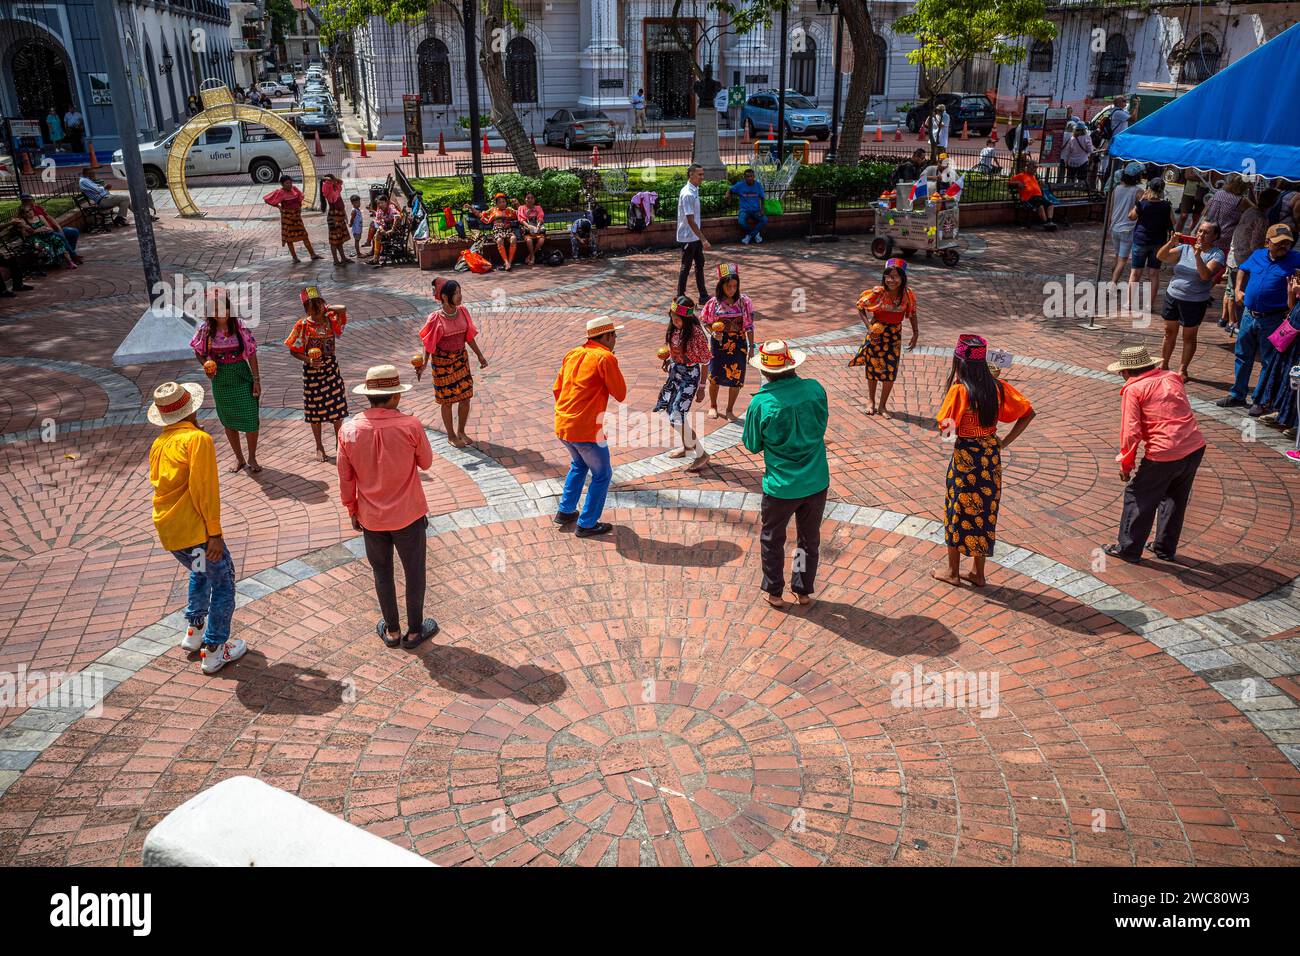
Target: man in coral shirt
x=187, y=517
x=588, y=377
x=381, y=454
x=1156, y=414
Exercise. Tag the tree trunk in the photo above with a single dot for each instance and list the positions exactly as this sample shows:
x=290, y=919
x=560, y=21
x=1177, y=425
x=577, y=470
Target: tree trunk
x=504, y=117
x=857, y=18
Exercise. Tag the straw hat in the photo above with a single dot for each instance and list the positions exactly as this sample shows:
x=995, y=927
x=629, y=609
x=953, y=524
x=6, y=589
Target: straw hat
x=1278, y=233
x=173, y=402
x=1132, y=359
x=776, y=356
x=600, y=325
x=382, y=380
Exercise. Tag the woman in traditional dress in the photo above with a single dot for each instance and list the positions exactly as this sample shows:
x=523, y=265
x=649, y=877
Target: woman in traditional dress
x=883, y=310
x=731, y=345
x=971, y=410
x=228, y=353
x=336, y=217
x=688, y=357
x=502, y=219
x=445, y=334
x=288, y=199
x=324, y=397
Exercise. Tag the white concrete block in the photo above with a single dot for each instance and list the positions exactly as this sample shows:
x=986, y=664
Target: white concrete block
x=245, y=822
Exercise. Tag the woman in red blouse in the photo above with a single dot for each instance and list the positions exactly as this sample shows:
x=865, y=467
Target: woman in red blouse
x=688, y=358
x=444, y=336
x=289, y=199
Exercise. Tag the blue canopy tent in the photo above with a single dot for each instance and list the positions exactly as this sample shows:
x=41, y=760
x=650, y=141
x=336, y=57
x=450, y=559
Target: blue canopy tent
x=1236, y=121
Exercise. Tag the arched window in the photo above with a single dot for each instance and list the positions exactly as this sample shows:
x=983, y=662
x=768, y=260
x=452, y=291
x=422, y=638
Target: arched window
x=1112, y=68
x=803, y=63
x=435, y=72
x=521, y=70
x=1200, y=60
x=1040, y=57
x=882, y=61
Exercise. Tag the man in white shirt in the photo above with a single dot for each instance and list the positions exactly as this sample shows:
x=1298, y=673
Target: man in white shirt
x=74, y=127
x=940, y=124
x=638, y=111
x=1077, y=154
x=690, y=232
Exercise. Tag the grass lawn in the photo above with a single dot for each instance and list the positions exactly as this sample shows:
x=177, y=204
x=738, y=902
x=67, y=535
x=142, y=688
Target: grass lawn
x=56, y=206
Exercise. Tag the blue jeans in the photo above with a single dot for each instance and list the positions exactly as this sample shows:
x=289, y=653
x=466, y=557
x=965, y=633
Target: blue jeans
x=587, y=456
x=70, y=236
x=1253, y=329
x=212, y=591
x=751, y=231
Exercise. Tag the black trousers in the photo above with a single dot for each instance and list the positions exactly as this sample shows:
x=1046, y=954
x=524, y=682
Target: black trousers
x=1158, y=492
x=693, y=254
x=807, y=513
x=409, y=543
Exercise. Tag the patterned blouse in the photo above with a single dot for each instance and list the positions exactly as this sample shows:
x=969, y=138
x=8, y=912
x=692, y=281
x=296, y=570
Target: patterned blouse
x=286, y=199
x=224, y=348
x=885, y=308
x=307, y=334
x=958, y=411
x=739, y=315
x=698, y=354
x=447, y=333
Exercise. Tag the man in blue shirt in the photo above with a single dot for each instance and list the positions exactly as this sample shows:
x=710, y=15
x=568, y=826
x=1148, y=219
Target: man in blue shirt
x=638, y=111
x=750, y=193
x=1261, y=289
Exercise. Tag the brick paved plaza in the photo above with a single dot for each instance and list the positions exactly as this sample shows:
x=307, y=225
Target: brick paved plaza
x=1147, y=713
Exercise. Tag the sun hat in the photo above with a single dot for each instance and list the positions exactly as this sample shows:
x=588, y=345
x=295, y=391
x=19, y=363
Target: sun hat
x=776, y=356
x=382, y=380
x=600, y=325
x=1279, y=231
x=971, y=347
x=1132, y=358
x=174, y=401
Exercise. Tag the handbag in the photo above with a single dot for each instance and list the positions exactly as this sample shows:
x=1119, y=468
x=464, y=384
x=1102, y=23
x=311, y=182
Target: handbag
x=1286, y=333
x=772, y=207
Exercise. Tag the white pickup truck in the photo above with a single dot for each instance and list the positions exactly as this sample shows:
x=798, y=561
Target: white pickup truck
x=230, y=148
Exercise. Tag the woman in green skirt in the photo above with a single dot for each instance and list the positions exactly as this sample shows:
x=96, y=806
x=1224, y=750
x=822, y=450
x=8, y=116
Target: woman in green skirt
x=228, y=352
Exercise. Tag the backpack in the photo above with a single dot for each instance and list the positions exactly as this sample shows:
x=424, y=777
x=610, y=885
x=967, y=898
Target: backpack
x=1107, y=131
x=600, y=216
x=635, y=217
x=473, y=262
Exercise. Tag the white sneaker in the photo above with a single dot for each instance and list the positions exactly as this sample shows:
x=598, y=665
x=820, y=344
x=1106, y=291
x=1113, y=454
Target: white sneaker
x=744, y=240
x=193, y=638
x=758, y=239
x=215, y=658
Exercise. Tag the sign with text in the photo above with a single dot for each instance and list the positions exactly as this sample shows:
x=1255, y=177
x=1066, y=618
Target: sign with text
x=413, y=123
x=101, y=92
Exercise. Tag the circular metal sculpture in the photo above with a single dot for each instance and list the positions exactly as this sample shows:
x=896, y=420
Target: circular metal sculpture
x=219, y=107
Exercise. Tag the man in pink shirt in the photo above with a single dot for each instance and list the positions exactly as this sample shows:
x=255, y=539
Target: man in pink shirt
x=1155, y=413
x=381, y=453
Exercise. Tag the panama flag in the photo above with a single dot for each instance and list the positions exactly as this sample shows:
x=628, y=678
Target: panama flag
x=954, y=189
x=919, y=190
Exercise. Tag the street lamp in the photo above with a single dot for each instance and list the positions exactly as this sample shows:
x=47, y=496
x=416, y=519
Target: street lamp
x=832, y=7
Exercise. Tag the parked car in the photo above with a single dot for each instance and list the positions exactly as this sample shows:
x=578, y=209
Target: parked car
x=579, y=128
x=802, y=116
x=221, y=151
x=321, y=119
x=974, y=109
x=286, y=79
x=272, y=88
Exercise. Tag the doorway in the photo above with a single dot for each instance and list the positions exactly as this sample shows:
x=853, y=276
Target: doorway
x=40, y=73
x=669, y=51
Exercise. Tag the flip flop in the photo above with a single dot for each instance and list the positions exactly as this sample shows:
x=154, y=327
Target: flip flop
x=382, y=630
x=429, y=629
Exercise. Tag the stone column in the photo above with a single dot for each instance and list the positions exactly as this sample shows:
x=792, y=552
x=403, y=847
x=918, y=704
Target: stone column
x=604, y=60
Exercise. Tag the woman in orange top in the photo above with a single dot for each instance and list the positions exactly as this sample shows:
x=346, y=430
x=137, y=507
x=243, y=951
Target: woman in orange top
x=971, y=410
x=888, y=304
x=324, y=395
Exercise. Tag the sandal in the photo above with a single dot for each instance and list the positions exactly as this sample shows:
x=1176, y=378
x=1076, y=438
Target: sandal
x=382, y=630
x=429, y=629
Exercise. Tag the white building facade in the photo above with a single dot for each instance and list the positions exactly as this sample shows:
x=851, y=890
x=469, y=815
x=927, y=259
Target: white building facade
x=249, y=28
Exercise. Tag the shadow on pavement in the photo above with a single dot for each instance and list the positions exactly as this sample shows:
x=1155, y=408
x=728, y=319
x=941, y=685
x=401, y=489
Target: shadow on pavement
x=465, y=671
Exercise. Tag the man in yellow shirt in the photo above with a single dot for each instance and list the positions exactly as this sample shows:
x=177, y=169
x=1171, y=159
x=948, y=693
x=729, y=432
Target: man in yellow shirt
x=187, y=516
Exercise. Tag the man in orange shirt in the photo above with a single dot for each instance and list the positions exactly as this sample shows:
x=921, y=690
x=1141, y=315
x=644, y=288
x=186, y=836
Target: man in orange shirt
x=1026, y=187
x=1156, y=414
x=587, y=378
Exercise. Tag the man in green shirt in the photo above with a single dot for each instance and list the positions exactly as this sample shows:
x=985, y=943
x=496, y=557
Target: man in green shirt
x=786, y=421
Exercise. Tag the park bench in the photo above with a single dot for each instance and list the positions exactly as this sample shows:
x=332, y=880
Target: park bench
x=94, y=218
x=1068, y=196
x=490, y=164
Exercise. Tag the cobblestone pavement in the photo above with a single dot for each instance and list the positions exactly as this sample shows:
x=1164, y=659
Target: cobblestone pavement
x=628, y=700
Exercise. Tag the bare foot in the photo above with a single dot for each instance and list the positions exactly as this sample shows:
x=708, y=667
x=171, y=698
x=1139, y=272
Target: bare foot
x=455, y=441
x=884, y=413
x=320, y=455
x=237, y=467
x=804, y=599
x=677, y=453
x=974, y=579
x=946, y=576
x=254, y=467
x=699, y=462
x=713, y=413
x=731, y=414
x=776, y=601
x=465, y=439
x=871, y=410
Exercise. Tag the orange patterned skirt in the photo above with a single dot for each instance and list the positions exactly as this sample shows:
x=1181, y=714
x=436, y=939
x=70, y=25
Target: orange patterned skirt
x=974, y=491
x=452, y=381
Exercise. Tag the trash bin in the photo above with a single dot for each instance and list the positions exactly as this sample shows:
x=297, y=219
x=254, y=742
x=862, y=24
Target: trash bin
x=821, y=223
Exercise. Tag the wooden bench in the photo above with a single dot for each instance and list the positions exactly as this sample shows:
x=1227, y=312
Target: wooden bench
x=490, y=164
x=94, y=218
x=1068, y=196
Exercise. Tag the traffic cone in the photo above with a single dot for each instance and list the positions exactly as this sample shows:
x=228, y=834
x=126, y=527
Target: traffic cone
x=663, y=140
x=595, y=156
x=319, y=150
x=880, y=136
x=920, y=133
x=404, y=152
x=94, y=163
x=363, y=148
x=442, y=144
x=487, y=149
x=771, y=132
x=965, y=130
x=898, y=134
